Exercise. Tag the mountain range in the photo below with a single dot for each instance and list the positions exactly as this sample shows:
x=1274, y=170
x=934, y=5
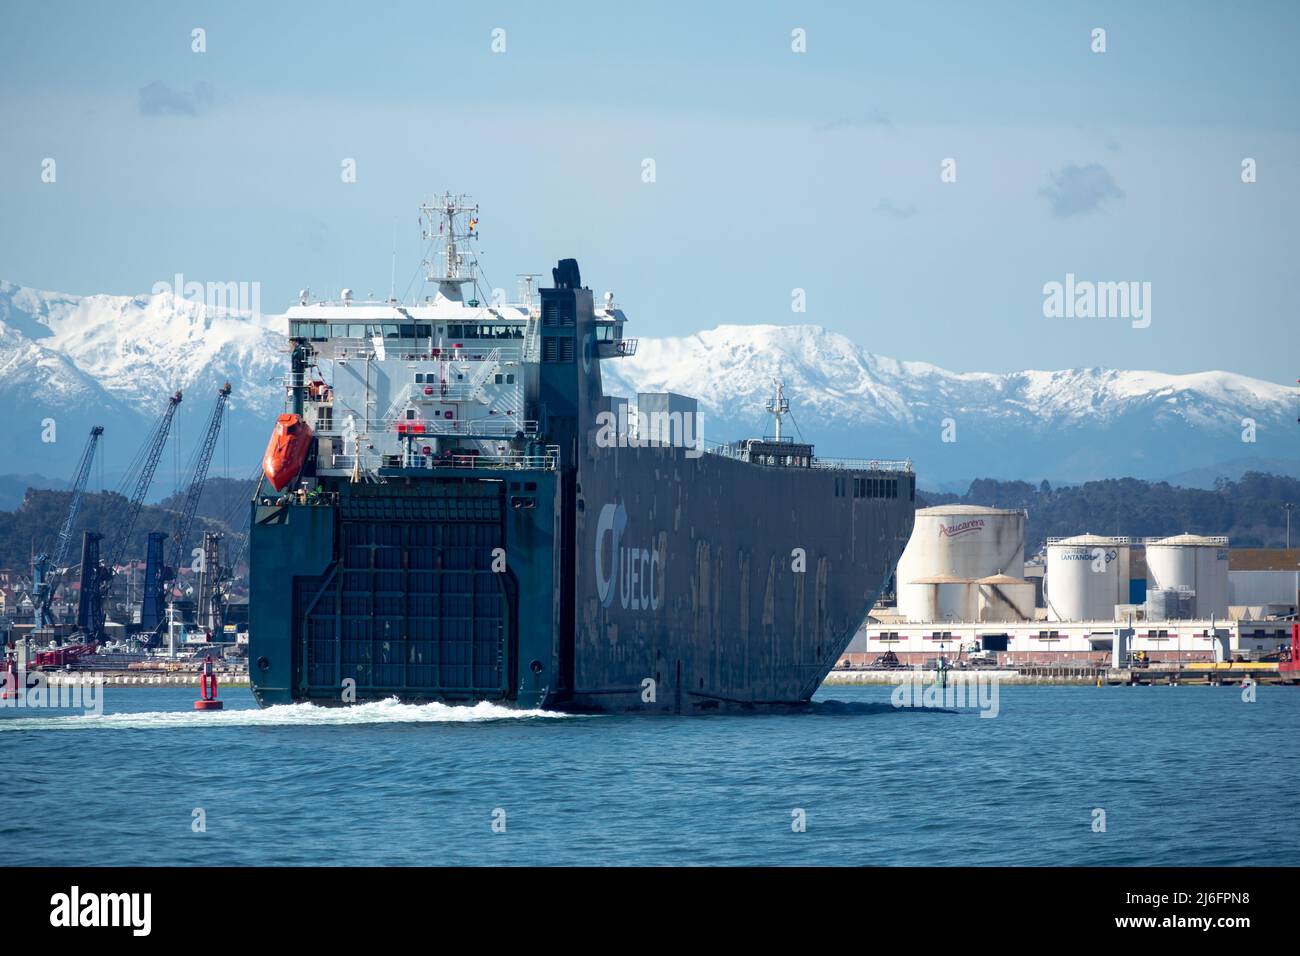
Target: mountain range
x=112, y=360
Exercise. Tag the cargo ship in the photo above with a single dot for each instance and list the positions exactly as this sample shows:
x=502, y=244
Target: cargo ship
x=452, y=509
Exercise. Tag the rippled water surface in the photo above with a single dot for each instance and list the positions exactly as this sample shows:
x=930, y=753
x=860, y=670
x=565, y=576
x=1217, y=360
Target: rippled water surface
x=1185, y=775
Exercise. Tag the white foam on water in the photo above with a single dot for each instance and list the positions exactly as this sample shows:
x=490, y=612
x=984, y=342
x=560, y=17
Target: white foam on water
x=390, y=711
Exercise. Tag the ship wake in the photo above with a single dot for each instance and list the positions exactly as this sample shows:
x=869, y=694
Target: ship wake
x=390, y=711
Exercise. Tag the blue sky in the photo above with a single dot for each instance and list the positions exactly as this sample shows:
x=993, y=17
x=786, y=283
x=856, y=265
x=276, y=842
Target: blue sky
x=774, y=170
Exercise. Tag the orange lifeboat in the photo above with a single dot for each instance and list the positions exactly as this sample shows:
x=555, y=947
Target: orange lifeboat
x=287, y=450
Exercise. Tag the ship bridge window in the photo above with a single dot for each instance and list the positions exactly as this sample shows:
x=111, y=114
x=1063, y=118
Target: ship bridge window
x=317, y=331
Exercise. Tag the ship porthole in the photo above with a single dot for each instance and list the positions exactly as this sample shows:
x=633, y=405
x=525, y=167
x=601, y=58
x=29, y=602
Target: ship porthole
x=535, y=667
x=263, y=663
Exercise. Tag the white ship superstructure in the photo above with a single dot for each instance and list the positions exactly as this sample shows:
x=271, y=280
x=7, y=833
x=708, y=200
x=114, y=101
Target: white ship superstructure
x=433, y=383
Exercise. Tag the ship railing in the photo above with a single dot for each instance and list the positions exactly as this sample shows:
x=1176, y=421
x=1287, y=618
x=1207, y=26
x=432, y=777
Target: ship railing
x=865, y=464
x=299, y=496
x=395, y=351
x=547, y=461
x=738, y=450
x=499, y=426
x=616, y=348
x=723, y=449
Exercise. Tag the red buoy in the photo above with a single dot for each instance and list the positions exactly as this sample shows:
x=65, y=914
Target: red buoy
x=208, y=689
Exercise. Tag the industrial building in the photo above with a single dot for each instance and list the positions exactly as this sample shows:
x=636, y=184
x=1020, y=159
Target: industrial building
x=963, y=585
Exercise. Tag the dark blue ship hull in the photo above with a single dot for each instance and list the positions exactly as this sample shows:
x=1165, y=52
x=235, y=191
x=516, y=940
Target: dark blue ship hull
x=612, y=579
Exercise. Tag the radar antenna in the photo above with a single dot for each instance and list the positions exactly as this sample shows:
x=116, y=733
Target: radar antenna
x=778, y=406
x=441, y=221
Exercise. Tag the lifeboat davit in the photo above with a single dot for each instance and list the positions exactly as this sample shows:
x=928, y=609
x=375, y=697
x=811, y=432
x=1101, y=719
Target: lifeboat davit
x=287, y=450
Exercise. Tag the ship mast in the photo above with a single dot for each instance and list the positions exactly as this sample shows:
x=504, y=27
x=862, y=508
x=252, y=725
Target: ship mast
x=778, y=406
x=457, y=266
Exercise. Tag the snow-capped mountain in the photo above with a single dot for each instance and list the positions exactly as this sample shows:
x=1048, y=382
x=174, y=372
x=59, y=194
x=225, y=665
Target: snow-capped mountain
x=113, y=360
x=1068, y=425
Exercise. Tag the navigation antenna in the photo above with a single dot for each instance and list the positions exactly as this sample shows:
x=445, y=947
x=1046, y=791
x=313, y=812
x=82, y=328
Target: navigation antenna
x=441, y=223
x=526, y=287
x=778, y=406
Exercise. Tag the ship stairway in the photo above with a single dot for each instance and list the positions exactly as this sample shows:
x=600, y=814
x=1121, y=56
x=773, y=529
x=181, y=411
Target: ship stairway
x=532, y=338
x=472, y=389
x=507, y=400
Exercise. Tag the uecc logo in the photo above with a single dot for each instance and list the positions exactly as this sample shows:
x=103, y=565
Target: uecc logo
x=633, y=573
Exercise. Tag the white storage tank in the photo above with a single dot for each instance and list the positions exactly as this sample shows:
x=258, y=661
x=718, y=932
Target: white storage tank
x=1192, y=562
x=964, y=542
x=1004, y=598
x=944, y=597
x=1087, y=575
